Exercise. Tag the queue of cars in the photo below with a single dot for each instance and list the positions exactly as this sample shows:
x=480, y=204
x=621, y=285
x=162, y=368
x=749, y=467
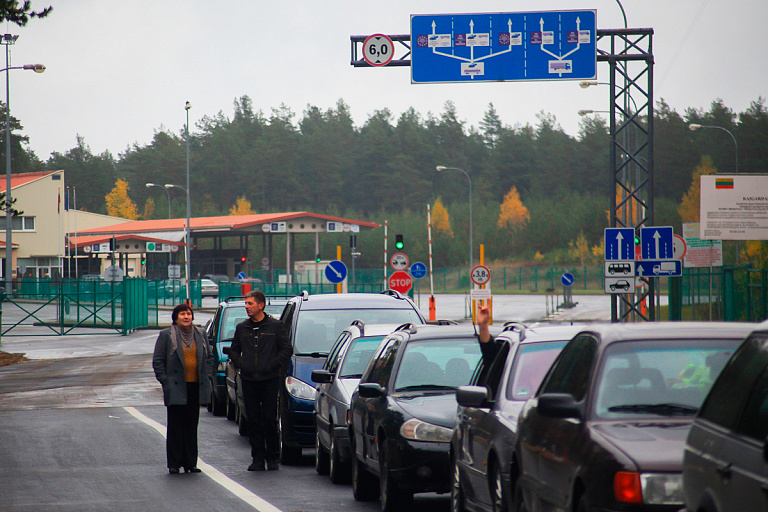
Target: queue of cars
x=559, y=418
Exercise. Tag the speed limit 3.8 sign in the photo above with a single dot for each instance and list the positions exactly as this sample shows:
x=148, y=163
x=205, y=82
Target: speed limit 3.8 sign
x=378, y=50
x=480, y=275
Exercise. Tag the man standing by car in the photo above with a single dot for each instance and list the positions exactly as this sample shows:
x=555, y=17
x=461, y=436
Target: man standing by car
x=261, y=350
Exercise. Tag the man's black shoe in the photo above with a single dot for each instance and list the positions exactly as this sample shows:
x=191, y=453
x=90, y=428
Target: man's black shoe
x=173, y=471
x=256, y=466
x=272, y=465
x=193, y=470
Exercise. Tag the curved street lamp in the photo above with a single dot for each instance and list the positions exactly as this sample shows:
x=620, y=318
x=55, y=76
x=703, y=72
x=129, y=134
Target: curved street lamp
x=693, y=127
x=7, y=40
x=148, y=185
x=441, y=168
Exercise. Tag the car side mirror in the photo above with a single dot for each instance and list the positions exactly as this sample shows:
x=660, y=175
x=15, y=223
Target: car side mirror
x=370, y=390
x=559, y=405
x=226, y=350
x=474, y=396
x=322, y=376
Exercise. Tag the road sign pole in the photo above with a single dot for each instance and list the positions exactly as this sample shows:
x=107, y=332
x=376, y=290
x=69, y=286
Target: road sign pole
x=338, y=257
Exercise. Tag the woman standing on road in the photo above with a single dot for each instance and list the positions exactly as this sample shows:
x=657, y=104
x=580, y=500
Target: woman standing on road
x=182, y=362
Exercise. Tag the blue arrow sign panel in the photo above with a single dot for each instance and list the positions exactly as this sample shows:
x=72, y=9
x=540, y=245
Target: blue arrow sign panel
x=418, y=270
x=567, y=279
x=659, y=268
x=656, y=243
x=336, y=271
x=619, y=244
x=503, y=47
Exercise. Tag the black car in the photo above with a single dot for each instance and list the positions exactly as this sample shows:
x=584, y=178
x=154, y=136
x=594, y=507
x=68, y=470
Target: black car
x=725, y=464
x=607, y=426
x=484, y=437
x=314, y=322
x=404, y=410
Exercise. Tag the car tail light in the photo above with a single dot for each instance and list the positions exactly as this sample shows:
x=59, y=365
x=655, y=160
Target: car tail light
x=627, y=487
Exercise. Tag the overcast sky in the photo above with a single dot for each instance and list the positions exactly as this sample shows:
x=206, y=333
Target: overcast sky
x=118, y=71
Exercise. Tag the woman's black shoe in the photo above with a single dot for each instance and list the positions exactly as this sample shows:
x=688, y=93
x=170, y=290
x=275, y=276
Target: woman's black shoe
x=173, y=471
x=193, y=470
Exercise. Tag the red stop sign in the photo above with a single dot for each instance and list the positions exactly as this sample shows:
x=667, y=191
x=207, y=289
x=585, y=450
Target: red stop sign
x=400, y=282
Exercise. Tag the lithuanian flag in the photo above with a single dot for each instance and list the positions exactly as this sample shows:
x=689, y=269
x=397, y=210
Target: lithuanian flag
x=723, y=183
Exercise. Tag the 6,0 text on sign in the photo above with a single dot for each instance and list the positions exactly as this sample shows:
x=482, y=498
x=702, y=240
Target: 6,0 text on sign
x=378, y=50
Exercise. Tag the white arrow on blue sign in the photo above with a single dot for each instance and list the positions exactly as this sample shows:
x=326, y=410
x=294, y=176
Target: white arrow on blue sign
x=659, y=268
x=567, y=279
x=619, y=244
x=656, y=243
x=336, y=271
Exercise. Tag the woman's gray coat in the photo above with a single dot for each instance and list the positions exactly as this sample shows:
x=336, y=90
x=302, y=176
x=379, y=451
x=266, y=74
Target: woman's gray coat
x=168, y=363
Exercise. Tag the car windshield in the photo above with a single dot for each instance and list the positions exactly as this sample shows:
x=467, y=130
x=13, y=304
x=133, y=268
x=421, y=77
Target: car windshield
x=230, y=317
x=533, y=361
x=659, y=378
x=318, y=329
x=437, y=364
x=358, y=355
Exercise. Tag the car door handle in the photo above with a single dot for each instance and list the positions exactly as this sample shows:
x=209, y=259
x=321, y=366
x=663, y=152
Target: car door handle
x=724, y=471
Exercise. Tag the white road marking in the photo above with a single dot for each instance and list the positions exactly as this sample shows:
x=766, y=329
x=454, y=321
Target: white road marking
x=217, y=476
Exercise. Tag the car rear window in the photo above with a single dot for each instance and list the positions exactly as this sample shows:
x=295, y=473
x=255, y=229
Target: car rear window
x=533, y=361
x=316, y=330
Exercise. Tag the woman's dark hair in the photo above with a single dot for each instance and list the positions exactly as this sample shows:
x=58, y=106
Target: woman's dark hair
x=178, y=309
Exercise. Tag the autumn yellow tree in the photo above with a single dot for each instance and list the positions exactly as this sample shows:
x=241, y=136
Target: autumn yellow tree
x=242, y=207
x=440, y=219
x=579, y=249
x=513, y=213
x=689, y=209
x=119, y=204
x=149, y=209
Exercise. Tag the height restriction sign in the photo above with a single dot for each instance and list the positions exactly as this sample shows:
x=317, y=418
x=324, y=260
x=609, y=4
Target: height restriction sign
x=480, y=275
x=378, y=50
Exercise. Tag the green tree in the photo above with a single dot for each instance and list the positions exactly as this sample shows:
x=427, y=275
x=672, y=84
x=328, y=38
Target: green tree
x=690, y=206
x=92, y=176
x=11, y=11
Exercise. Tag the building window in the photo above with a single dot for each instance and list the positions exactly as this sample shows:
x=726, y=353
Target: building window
x=25, y=223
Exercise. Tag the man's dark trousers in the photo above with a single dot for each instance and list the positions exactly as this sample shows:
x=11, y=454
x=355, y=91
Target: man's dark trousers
x=260, y=398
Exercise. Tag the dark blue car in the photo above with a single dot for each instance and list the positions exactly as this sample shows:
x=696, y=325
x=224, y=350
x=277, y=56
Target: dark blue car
x=314, y=322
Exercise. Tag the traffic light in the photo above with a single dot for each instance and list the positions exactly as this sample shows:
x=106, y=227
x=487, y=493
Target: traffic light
x=399, y=242
x=317, y=257
x=112, y=244
x=352, y=241
x=242, y=259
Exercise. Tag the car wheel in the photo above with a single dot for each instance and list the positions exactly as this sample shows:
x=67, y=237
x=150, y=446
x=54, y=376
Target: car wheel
x=231, y=410
x=321, y=456
x=498, y=499
x=393, y=498
x=584, y=505
x=337, y=470
x=364, y=486
x=457, y=493
x=217, y=407
x=288, y=454
x=210, y=402
x=520, y=505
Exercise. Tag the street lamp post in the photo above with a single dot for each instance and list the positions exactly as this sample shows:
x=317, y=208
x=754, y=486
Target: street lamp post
x=693, y=127
x=187, y=106
x=441, y=168
x=148, y=185
x=8, y=40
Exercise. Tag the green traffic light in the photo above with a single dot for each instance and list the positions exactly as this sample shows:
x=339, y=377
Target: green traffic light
x=399, y=242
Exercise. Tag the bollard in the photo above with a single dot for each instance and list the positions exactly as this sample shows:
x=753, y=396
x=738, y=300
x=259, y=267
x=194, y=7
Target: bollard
x=432, y=311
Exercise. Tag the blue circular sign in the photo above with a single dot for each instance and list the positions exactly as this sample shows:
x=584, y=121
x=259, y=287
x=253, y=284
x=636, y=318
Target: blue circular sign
x=336, y=271
x=241, y=275
x=567, y=279
x=418, y=270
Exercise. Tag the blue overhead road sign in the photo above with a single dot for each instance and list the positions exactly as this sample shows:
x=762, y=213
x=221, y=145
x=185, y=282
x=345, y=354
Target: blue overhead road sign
x=501, y=47
x=336, y=271
x=619, y=244
x=659, y=268
x=656, y=243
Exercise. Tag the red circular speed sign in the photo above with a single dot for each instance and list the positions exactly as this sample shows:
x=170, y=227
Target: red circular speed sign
x=400, y=282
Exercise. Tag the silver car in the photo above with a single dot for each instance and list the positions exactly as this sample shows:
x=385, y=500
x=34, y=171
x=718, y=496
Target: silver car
x=336, y=382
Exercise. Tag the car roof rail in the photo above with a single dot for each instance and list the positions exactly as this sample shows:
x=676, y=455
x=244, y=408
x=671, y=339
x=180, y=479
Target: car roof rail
x=304, y=295
x=442, y=322
x=408, y=327
x=236, y=297
x=515, y=326
x=360, y=324
x=393, y=293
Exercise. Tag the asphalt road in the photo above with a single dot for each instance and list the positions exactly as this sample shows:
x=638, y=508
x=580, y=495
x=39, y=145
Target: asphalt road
x=82, y=426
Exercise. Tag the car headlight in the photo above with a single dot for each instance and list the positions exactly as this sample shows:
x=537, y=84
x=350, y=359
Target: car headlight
x=418, y=430
x=299, y=389
x=648, y=488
